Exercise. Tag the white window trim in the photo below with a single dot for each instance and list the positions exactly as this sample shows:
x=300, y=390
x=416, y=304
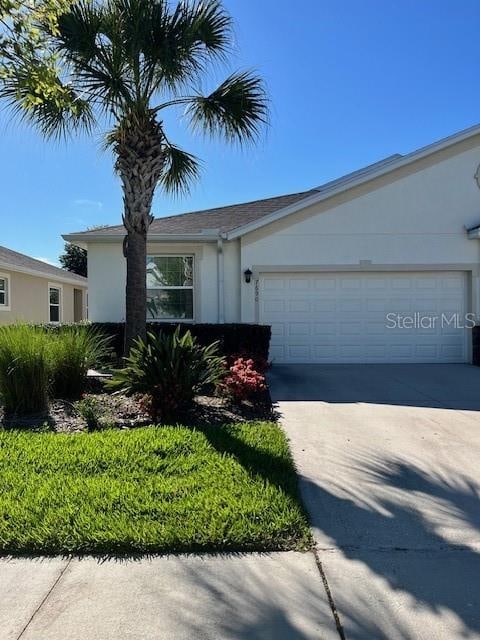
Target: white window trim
x=192, y=288
x=8, y=306
x=54, y=285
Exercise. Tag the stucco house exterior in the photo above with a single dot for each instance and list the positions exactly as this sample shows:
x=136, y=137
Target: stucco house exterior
x=381, y=265
x=34, y=291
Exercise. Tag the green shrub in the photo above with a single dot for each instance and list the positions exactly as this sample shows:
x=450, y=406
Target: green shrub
x=73, y=351
x=168, y=369
x=24, y=370
x=91, y=410
x=236, y=339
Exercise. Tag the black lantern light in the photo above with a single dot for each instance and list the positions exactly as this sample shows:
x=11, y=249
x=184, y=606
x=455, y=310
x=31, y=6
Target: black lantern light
x=248, y=275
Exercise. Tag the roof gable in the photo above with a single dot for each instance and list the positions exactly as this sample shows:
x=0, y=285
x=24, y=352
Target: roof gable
x=15, y=261
x=236, y=220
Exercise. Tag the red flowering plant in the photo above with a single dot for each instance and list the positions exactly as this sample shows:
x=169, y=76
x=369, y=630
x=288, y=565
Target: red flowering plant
x=243, y=381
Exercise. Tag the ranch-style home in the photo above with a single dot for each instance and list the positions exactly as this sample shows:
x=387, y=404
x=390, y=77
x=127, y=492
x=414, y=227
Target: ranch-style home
x=381, y=265
x=34, y=291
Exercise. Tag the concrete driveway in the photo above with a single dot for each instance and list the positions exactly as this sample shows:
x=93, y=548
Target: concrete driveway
x=389, y=459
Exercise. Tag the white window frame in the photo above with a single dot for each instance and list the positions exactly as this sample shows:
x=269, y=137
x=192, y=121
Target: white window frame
x=192, y=288
x=59, y=287
x=8, y=292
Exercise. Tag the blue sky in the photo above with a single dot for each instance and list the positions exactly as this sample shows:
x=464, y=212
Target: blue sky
x=350, y=82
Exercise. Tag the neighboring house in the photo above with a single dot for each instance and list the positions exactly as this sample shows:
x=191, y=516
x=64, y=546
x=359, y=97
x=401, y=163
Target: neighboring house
x=34, y=291
x=326, y=267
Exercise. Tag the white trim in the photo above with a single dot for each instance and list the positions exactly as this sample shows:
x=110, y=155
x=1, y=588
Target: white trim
x=83, y=238
x=179, y=288
x=308, y=268
x=55, y=285
x=220, y=282
x=43, y=274
x=8, y=291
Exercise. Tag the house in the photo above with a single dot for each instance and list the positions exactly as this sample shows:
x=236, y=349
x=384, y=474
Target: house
x=34, y=291
x=381, y=265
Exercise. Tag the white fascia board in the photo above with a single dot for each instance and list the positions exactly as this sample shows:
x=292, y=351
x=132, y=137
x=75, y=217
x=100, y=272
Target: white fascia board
x=42, y=274
x=82, y=241
x=339, y=186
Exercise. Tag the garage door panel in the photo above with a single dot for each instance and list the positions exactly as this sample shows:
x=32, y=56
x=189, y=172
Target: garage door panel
x=343, y=317
x=324, y=352
x=324, y=284
x=327, y=304
x=351, y=306
x=300, y=305
x=324, y=328
x=296, y=329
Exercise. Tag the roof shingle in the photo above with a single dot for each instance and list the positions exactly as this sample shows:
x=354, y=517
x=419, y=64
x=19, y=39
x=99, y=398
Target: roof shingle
x=222, y=218
x=20, y=260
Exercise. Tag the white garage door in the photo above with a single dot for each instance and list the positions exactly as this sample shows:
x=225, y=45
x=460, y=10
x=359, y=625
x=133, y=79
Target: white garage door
x=368, y=317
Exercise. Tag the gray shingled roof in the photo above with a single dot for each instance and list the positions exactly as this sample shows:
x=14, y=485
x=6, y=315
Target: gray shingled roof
x=222, y=218
x=234, y=217
x=9, y=258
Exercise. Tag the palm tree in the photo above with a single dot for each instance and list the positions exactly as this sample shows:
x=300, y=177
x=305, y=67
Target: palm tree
x=120, y=64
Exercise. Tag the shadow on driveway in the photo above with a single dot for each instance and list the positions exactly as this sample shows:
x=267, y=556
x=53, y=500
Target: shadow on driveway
x=453, y=386
x=388, y=458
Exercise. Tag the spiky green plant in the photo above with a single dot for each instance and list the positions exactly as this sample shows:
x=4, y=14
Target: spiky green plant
x=120, y=65
x=24, y=370
x=168, y=370
x=73, y=350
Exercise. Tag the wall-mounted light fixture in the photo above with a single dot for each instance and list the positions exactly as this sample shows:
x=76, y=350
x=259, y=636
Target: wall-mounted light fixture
x=248, y=275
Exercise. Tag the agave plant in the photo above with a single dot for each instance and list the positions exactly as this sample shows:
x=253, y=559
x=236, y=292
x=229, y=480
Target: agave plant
x=120, y=65
x=168, y=370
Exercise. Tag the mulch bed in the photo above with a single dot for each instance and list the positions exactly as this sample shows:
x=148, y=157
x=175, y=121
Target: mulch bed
x=123, y=412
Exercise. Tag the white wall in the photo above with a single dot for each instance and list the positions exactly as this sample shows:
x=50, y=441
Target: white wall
x=107, y=274
x=233, y=279
x=407, y=218
x=106, y=282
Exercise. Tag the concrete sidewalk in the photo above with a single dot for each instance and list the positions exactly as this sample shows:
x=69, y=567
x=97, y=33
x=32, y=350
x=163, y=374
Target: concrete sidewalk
x=277, y=596
x=388, y=458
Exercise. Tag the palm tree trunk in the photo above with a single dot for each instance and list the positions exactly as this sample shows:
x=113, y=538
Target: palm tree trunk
x=139, y=163
x=136, y=288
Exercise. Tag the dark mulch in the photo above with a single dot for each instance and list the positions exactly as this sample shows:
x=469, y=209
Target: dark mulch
x=124, y=412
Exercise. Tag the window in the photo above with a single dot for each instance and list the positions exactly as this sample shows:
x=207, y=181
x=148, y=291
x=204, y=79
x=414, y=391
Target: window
x=4, y=292
x=54, y=303
x=170, y=287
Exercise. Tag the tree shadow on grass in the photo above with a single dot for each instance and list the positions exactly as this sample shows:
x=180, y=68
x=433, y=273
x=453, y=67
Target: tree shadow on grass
x=276, y=470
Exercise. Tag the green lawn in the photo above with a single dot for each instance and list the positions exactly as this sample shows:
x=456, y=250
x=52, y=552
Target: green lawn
x=150, y=489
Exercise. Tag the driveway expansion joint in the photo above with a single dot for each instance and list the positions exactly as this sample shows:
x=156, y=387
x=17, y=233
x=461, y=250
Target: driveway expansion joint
x=331, y=601
x=44, y=599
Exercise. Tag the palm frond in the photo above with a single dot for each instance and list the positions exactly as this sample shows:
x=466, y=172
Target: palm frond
x=181, y=169
x=236, y=110
x=49, y=105
x=79, y=30
x=210, y=24
x=182, y=42
x=90, y=42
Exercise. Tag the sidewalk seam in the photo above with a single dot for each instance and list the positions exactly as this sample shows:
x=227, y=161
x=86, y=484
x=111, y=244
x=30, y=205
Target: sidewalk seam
x=331, y=601
x=47, y=595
